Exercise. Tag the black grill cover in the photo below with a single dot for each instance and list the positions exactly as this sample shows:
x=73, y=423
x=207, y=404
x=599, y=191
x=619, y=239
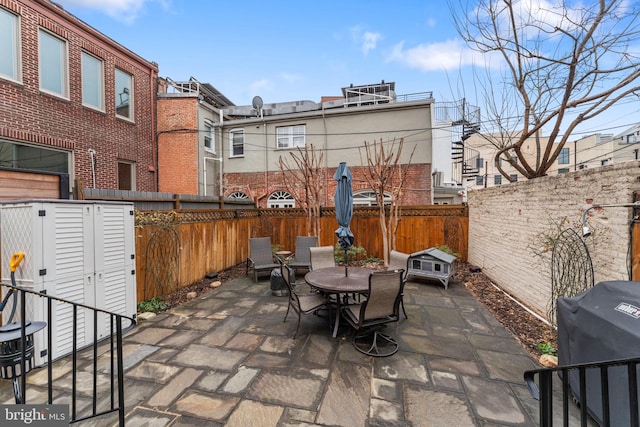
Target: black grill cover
x=601, y=324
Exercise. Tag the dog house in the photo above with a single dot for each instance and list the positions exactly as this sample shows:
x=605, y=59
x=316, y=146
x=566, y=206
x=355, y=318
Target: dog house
x=432, y=263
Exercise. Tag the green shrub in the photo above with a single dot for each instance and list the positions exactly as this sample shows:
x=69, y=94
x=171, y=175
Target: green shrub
x=547, y=348
x=153, y=305
x=353, y=254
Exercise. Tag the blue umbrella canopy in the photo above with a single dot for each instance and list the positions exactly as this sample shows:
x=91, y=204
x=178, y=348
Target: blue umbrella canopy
x=344, y=206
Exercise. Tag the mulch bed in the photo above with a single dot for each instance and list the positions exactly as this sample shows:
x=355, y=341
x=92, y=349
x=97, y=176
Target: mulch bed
x=524, y=326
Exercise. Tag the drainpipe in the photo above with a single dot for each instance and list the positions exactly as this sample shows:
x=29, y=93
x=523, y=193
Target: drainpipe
x=221, y=190
x=266, y=159
x=154, y=148
x=92, y=155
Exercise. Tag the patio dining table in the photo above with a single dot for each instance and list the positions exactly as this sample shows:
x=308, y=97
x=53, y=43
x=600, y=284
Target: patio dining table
x=332, y=280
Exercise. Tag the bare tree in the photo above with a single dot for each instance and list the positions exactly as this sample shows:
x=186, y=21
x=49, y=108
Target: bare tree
x=564, y=63
x=385, y=174
x=304, y=179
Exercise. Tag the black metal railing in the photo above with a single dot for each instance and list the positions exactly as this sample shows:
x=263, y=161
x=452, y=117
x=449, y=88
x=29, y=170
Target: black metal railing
x=580, y=381
x=115, y=398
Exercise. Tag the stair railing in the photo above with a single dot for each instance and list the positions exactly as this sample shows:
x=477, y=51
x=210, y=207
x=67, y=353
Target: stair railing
x=115, y=354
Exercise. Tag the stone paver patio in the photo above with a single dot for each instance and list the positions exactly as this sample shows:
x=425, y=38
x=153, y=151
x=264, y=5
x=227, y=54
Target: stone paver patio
x=227, y=358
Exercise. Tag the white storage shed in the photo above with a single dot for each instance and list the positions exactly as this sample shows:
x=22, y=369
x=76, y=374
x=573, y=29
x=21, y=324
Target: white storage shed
x=82, y=251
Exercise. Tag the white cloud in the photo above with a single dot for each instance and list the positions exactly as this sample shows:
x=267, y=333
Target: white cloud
x=122, y=10
x=263, y=85
x=447, y=55
x=369, y=41
x=290, y=77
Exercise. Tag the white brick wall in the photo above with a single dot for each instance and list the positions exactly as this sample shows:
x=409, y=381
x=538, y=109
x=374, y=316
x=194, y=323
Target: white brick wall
x=507, y=225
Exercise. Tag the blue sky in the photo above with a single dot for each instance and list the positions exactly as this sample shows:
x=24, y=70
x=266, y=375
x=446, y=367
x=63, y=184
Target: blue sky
x=287, y=51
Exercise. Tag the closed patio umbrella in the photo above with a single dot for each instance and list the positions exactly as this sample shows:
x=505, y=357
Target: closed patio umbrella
x=344, y=209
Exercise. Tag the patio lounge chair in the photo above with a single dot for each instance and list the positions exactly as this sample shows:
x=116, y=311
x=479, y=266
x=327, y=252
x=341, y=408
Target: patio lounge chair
x=382, y=306
x=399, y=260
x=301, y=304
x=321, y=257
x=302, y=257
x=260, y=257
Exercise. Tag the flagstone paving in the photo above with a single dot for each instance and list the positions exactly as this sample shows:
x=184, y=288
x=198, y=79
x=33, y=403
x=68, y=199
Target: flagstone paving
x=227, y=358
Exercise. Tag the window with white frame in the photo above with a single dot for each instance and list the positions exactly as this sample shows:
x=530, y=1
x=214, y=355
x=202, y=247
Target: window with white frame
x=92, y=81
x=368, y=198
x=209, y=142
x=290, y=136
x=563, y=157
x=124, y=94
x=514, y=177
x=236, y=140
x=479, y=180
x=281, y=199
x=238, y=195
x=53, y=64
x=497, y=180
x=9, y=45
x=630, y=139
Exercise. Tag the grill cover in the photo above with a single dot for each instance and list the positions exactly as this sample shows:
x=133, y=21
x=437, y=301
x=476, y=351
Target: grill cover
x=601, y=324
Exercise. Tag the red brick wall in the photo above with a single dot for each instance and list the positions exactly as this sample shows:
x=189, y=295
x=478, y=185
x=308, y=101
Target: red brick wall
x=258, y=185
x=28, y=115
x=178, y=145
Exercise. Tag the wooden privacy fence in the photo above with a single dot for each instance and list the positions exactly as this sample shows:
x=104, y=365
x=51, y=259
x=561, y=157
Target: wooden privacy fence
x=184, y=246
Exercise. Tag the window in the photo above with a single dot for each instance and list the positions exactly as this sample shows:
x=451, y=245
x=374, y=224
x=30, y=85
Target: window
x=514, y=160
x=604, y=162
x=563, y=157
x=630, y=139
x=92, y=81
x=290, y=136
x=209, y=144
x=124, y=95
x=479, y=180
x=281, y=199
x=126, y=176
x=563, y=170
x=514, y=177
x=53, y=65
x=9, y=45
x=497, y=180
x=238, y=195
x=479, y=163
x=35, y=158
x=236, y=138
x=368, y=198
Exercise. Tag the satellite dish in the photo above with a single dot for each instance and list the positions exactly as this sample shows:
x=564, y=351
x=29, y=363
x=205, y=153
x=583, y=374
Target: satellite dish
x=256, y=102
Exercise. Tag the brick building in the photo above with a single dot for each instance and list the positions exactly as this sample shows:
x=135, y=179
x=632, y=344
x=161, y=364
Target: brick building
x=73, y=101
x=252, y=140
